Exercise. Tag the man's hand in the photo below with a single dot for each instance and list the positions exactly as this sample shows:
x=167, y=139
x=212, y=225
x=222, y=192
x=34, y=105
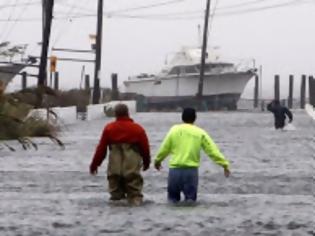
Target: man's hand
x=145, y=167
x=158, y=166
x=93, y=170
x=227, y=172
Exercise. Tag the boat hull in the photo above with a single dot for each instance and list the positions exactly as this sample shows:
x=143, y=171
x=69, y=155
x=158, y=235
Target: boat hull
x=8, y=72
x=220, y=91
x=211, y=102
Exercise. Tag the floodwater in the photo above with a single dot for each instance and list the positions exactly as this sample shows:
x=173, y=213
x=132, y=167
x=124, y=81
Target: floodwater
x=270, y=191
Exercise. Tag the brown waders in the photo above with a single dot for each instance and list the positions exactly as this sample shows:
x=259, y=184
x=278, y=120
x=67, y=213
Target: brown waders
x=123, y=173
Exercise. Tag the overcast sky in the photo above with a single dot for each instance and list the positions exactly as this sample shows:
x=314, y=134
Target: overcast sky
x=139, y=34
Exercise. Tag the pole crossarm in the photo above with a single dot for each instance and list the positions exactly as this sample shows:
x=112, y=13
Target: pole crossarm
x=20, y=73
x=70, y=59
x=18, y=64
x=73, y=50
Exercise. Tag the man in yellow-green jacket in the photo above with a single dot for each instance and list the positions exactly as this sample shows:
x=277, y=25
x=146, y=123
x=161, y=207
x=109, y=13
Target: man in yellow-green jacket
x=184, y=142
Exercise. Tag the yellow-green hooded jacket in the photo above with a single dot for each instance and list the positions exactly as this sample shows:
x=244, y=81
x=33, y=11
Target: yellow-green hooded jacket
x=184, y=142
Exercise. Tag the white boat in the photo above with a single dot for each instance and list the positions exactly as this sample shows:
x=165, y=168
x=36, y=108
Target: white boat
x=9, y=68
x=9, y=71
x=177, y=83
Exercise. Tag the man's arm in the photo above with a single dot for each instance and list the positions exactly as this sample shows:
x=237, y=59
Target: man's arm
x=145, y=149
x=289, y=114
x=212, y=150
x=100, y=153
x=164, y=150
x=270, y=107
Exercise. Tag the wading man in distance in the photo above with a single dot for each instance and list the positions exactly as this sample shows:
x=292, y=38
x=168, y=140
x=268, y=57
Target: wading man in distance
x=128, y=152
x=184, y=142
x=279, y=113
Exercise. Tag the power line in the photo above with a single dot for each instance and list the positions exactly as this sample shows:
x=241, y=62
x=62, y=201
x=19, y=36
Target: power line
x=9, y=18
x=19, y=5
x=22, y=20
x=78, y=7
x=186, y=15
x=263, y=8
x=255, y=2
x=244, y=4
x=159, y=4
x=146, y=6
x=23, y=10
x=65, y=25
x=197, y=15
x=212, y=15
x=70, y=23
x=109, y=13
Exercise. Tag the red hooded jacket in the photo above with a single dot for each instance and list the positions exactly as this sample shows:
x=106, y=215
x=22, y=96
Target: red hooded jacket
x=123, y=130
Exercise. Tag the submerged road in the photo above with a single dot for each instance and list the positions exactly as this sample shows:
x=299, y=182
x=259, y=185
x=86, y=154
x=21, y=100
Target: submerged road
x=271, y=190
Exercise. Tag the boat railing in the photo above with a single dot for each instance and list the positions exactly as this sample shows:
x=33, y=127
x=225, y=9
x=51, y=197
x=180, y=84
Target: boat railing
x=141, y=76
x=245, y=64
x=12, y=53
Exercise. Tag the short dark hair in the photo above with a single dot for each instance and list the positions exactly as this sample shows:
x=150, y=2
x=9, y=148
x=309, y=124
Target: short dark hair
x=276, y=102
x=121, y=110
x=189, y=115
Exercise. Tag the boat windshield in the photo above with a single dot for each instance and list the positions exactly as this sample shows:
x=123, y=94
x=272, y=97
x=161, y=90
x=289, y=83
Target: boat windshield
x=217, y=67
x=190, y=69
x=209, y=68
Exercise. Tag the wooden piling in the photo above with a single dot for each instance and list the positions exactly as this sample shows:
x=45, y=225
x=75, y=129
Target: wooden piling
x=277, y=87
x=56, y=81
x=114, y=87
x=256, y=91
x=303, y=87
x=291, y=84
x=24, y=80
x=96, y=92
x=311, y=87
x=87, y=83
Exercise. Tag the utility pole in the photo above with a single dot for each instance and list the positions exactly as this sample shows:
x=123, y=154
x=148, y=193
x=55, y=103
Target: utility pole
x=48, y=6
x=204, y=50
x=98, y=53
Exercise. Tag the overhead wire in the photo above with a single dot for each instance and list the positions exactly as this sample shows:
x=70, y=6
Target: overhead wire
x=23, y=10
x=19, y=5
x=9, y=18
x=70, y=11
x=35, y=19
x=188, y=15
x=75, y=7
x=237, y=5
x=212, y=16
x=146, y=6
x=198, y=15
x=141, y=7
x=109, y=13
x=262, y=8
x=78, y=7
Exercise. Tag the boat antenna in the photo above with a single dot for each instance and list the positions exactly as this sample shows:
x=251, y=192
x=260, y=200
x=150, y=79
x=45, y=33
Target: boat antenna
x=204, y=50
x=212, y=16
x=199, y=36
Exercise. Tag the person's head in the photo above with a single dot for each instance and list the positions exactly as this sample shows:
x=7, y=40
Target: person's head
x=276, y=102
x=189, y=115
x=121, y=110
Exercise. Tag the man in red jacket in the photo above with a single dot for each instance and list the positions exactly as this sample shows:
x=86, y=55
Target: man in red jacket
x=129, y=151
